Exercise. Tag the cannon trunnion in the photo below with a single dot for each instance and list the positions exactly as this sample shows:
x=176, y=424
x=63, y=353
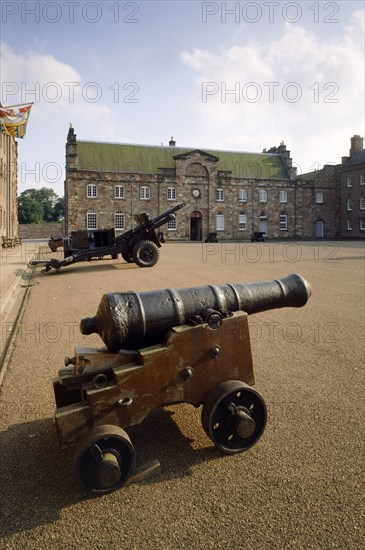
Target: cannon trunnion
x=205, y=359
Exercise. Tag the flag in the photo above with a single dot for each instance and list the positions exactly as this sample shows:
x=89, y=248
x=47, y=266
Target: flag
x=14, y=119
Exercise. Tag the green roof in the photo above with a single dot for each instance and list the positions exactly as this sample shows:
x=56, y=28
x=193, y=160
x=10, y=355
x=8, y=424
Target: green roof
x=147, y=159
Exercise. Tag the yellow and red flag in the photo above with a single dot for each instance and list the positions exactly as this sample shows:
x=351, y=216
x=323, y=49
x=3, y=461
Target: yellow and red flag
x=14, y=119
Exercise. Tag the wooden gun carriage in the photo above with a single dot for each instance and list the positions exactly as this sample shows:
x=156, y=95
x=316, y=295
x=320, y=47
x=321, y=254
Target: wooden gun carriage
x=164, y=347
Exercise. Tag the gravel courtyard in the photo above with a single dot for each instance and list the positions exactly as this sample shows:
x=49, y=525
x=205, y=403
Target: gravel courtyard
x=300, y=486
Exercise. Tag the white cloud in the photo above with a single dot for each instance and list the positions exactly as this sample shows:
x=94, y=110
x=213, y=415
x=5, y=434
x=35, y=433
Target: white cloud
x=60, y=97
x=57, y=89
x=309, y=92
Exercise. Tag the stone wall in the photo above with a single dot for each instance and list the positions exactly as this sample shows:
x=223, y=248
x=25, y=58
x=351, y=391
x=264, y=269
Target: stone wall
x=300, y=207
x=8, y=186
x=40, y=231
x=353, y=192
x=223, y=201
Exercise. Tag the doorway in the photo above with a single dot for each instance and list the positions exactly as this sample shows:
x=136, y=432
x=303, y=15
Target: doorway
x=196, y=226
x=263, y=223
x=319, y=230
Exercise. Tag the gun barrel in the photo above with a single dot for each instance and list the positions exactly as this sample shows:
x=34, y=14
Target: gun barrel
x=133, y=320
x=167, y=213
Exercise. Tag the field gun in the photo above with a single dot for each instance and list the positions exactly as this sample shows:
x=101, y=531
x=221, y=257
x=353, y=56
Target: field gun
x=165, y=347
x=139, y=244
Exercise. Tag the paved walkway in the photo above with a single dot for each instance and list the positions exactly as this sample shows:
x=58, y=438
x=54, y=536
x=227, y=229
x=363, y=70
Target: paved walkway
x=15, y=274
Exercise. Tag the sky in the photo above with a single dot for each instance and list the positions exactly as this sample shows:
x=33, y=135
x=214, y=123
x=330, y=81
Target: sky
x=241, y=76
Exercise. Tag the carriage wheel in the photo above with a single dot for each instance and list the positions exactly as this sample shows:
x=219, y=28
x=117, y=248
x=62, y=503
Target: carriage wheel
x=145, y=253
x=104, y=459
x=234, y=416
x=127, y=257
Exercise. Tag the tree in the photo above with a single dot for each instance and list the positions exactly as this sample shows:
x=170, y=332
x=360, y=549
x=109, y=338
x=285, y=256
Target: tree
x=40, y=206
x=59, y=209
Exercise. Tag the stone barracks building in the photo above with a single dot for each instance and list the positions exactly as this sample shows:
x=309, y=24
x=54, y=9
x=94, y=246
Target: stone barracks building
x=231, y=193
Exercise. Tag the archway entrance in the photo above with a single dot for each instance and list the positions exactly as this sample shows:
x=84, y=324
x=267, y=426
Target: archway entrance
x=196, y=226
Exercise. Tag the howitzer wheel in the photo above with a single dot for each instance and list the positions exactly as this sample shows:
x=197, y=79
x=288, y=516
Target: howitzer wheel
x=234, y=416
x=127, y=257
x=145, y=253
x=104, y=459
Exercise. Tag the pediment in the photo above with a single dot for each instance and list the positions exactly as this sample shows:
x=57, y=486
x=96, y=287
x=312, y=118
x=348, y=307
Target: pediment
x=196, y=153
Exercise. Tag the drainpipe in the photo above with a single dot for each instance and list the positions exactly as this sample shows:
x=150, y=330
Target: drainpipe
x=208, y=206
x=8, y=189
x=295, y=210
x=132, y=180
x=253, y=206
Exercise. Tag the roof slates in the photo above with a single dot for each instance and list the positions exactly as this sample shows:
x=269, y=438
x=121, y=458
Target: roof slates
x=113, y=157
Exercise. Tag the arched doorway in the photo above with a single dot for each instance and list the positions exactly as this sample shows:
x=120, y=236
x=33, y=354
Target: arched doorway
x=196, y=226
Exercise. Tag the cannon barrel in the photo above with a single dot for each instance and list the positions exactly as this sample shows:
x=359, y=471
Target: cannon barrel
x=132, y=320
x=168, y=213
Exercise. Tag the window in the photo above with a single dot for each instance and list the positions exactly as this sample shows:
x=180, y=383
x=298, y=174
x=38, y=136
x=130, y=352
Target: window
x=283, y=196
x=91, y=191
x=349, y=204
x=220, y=221
x=319, y=197
x=362, y=179
x=171, y=225
x=118, y=219
x=118, y=192
x=349, y=182
x=262, y=195
x=91, y=220
x=349, y=225
x=283, y=222
x=171, y=194
x=144, y=193
x=362, y=202
x=242, y=221
x=362, y=224
x=242, y=195
x=220, y=195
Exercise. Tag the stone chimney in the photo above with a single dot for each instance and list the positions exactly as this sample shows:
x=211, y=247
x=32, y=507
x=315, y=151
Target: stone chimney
x=282, y=150
x=357, y=144
x=172, y=143
x=71, y=149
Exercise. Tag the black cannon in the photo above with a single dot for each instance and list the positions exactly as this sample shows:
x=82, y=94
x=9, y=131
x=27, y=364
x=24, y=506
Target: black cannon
x=211, y=238
x=257, y=237
x=139, y=245
x=164, y=347
x=132, y=320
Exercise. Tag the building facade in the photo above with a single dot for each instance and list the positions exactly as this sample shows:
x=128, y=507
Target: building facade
x=228, y=192
x=353, y=191
x=8, y=187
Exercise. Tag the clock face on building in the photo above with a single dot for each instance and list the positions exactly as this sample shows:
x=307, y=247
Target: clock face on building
x=196, y=193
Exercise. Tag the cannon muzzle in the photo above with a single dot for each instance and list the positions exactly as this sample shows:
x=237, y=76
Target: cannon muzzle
x=132, y=320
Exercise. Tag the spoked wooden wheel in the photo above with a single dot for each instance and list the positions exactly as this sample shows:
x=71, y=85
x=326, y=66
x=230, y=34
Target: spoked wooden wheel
x=104, y=459
x=234, y=416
